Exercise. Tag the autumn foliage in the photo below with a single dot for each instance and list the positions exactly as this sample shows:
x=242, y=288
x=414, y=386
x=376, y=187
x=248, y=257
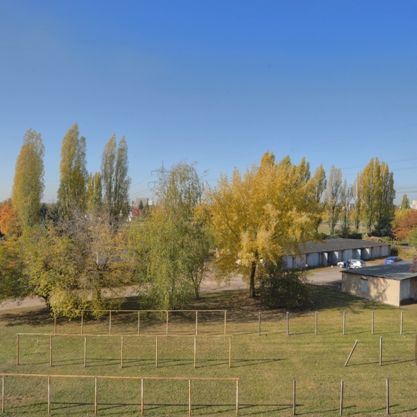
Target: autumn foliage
x=405, y=222
x=8, y=221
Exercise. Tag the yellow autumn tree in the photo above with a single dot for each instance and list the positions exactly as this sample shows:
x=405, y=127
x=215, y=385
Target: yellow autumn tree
x=261, y=215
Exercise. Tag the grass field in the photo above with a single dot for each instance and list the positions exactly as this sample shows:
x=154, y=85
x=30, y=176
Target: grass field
x=266, y=363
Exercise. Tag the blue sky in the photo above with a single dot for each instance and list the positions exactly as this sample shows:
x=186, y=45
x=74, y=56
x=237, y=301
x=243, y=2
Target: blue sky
x=216, y=82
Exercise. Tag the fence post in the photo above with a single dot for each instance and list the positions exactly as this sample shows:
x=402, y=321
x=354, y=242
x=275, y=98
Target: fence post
x=49, y=396
x=167, y=322
x=225, y=322
x=95, y=396
x=189, y=397
x=372, y=322
x=3, y=385
x=138, y=322
x=237, y=397
x=50, y=350
x=109, y=321
x=351, y=352
x=259, y=323
x=82, y=322
x=54, y=324
x=196, y=322
x=343, y=322
x=294, y=397
x=17, y=350
x=230, y=351
x=288, y=323
x=380, y=351
x=415, y=349
x=342, y=386
x=85, y=351
x=316, y=322
x=195, y=351
x=401, y=322
x=121, y=351
x=141, y=397
x=387, y=396
x=156, y=351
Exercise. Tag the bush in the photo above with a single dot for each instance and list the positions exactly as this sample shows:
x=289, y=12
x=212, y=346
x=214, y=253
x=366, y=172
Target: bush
x=64, y=303
x=284, y=289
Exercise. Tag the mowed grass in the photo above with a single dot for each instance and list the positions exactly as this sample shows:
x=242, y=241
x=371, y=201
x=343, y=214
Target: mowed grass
x=266, y=364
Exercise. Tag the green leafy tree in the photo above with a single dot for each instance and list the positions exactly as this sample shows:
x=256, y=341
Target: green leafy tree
x=172, y=240
x=115, y=180
x=376, y=194
x=94, y=193
x=412, y=237
x=356, y=210
x=346, y=208
x=72, y=263
x=263, y=214
x=319, y=182
x=73, y=174
x=333, y=197
x=28, y=183
x=12, y=280
x=405, y=202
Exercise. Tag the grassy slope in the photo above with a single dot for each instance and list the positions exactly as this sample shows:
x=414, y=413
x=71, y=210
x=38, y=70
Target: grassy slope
x=266, y=364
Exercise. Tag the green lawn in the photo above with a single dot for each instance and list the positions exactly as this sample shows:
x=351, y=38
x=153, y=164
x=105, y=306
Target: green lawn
x=266, y=363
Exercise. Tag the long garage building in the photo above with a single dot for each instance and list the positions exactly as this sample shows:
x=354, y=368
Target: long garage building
x=331, y=251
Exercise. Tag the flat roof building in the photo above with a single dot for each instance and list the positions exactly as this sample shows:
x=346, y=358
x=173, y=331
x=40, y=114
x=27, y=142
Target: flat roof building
x=331, y=251
x=393, y=284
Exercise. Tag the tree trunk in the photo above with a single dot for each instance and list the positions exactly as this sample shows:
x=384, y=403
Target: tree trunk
x=252, y=280
x=196, y=292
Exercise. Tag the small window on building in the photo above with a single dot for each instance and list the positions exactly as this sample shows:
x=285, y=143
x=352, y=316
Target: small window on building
x=364, y=286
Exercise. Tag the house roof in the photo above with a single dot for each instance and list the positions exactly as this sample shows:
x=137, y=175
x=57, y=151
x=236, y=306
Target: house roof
x=329, y=245
x=397, y=271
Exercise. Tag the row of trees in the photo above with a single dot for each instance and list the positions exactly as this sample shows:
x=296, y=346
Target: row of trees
x=71, y=251
x=369, y=201
x=79, y=192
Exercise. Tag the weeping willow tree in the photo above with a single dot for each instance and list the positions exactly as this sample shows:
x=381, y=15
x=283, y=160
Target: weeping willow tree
x=172, y=242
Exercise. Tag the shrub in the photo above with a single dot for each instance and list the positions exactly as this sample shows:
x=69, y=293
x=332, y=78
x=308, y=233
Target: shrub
x=284, y=289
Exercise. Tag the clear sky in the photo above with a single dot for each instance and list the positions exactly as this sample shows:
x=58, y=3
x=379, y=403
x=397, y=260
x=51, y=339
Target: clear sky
x=216, y=82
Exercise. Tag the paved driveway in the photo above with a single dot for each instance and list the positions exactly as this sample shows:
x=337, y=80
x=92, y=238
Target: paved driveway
x=324, y=276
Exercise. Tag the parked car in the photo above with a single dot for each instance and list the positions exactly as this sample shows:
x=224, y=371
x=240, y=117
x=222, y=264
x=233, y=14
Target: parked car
x=392, y=259
x=352, y=264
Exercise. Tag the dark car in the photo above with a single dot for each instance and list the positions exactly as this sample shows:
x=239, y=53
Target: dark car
x=392, y=259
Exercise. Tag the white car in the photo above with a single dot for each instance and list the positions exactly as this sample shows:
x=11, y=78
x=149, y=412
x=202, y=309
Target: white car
x=351, y=264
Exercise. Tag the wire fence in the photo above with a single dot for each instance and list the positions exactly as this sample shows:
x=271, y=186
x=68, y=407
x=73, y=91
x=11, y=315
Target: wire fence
x=89, y=339
x=195, y=322
x=141, y=379
x=386, y=394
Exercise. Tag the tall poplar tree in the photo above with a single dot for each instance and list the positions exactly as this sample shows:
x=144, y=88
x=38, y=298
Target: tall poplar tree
x=28, y=183
x=376, y=194
x=73, y=180
x=405, y=202
x=333, y=197
x=121, y=181
x=115, y=180
x=94, y=193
